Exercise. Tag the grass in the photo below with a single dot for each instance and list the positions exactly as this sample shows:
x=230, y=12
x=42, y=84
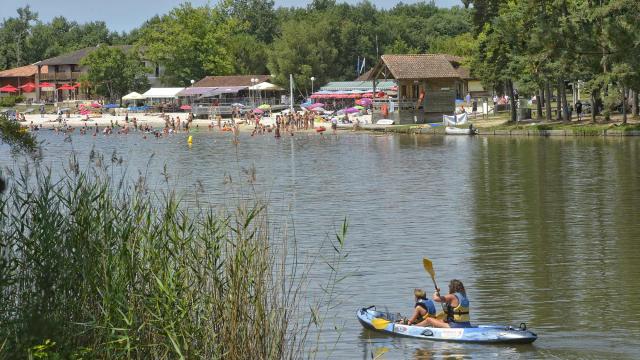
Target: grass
x=95, y=268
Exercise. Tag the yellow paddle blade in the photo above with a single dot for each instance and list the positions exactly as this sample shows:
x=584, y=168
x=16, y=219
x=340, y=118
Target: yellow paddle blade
x=428, y=267
x=379, y=352
x=379, y=323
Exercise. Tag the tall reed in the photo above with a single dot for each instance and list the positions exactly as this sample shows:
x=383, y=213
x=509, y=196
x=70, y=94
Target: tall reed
x=94, y=268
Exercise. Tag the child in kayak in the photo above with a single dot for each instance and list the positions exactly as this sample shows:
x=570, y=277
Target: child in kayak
x=457, y=307
x=424, y=309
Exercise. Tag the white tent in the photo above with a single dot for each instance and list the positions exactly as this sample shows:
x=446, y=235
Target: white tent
x=266, y=86
x=162, y=93
x=133, y=96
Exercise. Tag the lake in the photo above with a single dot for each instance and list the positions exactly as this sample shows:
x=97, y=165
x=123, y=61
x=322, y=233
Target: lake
x=540, y=230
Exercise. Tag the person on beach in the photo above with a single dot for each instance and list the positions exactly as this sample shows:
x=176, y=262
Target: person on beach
x=457, y=307
x=423, y=309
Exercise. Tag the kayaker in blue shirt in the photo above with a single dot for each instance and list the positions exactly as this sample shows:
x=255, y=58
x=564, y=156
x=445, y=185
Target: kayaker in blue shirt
x=423, y=309
x=457, y=307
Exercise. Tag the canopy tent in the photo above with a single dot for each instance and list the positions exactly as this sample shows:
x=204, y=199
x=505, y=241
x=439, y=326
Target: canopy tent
x=366, y=86
x=133, y=96
x=162, y=93
x=224, y=90
x=352, y=94
x=266, y=86
x=196, y=91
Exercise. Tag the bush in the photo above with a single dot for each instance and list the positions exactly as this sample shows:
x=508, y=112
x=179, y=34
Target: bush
x=11, y=100
x=110, y=270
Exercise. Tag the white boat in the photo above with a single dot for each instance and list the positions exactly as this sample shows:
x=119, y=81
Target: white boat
x=385, y=122
x=449, y=130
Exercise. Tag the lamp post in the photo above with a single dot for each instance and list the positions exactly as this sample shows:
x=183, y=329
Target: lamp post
x=254, y=82
x=191, y=95
x=313, y=78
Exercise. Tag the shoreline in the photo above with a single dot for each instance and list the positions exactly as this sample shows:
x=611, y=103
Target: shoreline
x=485, y=127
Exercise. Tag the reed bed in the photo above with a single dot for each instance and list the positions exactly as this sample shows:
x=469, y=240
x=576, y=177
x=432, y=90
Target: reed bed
x=96, y=268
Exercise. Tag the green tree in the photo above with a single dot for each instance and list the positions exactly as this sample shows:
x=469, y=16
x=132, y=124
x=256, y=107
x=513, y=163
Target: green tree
x=190, y=43
x=14, y=33
x=112, y=73
x=304, y=53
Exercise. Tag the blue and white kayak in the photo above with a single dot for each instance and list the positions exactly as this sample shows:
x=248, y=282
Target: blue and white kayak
x=490, y=334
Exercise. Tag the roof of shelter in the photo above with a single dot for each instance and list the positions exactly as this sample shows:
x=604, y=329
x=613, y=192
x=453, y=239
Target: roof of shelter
x=23, y=71
x=421, y=66
x=74, y=57
x=357, y=85
x=232, y=80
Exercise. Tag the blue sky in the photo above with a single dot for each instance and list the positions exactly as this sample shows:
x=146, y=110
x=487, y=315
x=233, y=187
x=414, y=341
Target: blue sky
x=123, y=15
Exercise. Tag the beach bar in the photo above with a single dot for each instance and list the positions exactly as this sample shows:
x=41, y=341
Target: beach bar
x=427, y=87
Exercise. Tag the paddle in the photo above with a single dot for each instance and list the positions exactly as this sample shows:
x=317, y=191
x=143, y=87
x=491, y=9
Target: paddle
x=428, y=267
x=380, y=323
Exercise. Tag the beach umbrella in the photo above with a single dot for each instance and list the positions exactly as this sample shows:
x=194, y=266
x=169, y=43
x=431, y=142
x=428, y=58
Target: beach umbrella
x=351, y=110
x=315, y=105
x=46, y=85
x=364, y=101
x=358, y=107
x=28, y=87
x=77, y=85
x=264, y=107
x=111, y=106
x=185, y=107
x=318, y=109
x=66, y=87
x=95, y=105
x=8, y=88
x=237, y=105
x=133, y=96
x=258, y=111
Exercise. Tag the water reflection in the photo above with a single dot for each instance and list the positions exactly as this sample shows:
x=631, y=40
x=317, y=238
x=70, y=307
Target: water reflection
x=540, y=230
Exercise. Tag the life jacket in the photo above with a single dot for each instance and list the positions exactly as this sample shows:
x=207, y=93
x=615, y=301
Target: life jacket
x=461, y=312
x=428, y=305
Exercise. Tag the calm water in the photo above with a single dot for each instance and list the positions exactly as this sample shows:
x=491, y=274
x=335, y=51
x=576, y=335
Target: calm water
x=540, y=230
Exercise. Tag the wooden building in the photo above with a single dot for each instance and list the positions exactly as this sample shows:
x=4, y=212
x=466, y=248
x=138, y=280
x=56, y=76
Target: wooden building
x=428, y=86
x=66, y=69
x=23, y=78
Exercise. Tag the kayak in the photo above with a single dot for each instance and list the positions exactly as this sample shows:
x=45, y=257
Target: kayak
x=490, y=334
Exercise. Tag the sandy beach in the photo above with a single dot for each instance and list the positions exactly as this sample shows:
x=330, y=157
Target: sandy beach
x=154, y=120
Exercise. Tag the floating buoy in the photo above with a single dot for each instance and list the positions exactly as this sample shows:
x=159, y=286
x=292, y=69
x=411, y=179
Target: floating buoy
x=189, y=140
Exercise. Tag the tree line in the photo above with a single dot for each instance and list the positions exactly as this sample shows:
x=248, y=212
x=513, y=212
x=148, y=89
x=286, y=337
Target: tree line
x=324, y=39
x=542, y=46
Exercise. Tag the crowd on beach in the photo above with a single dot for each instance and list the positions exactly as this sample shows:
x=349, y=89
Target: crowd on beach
x=256, y=123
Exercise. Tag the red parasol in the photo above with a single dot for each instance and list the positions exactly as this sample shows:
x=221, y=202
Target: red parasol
x=28, y=87
x=185, y=107
x=46, y=84
x=66, y=87
x=77, y=85
x=8, y=88
x=95, y=105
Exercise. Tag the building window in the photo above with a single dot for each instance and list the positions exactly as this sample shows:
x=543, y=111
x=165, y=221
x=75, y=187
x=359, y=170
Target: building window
x=157, y=73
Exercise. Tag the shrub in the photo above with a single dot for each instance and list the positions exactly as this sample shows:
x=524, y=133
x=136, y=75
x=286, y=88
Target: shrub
x=111, y=270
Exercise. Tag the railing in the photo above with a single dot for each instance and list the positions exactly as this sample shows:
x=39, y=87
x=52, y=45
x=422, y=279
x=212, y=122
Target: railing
x=60, y=76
